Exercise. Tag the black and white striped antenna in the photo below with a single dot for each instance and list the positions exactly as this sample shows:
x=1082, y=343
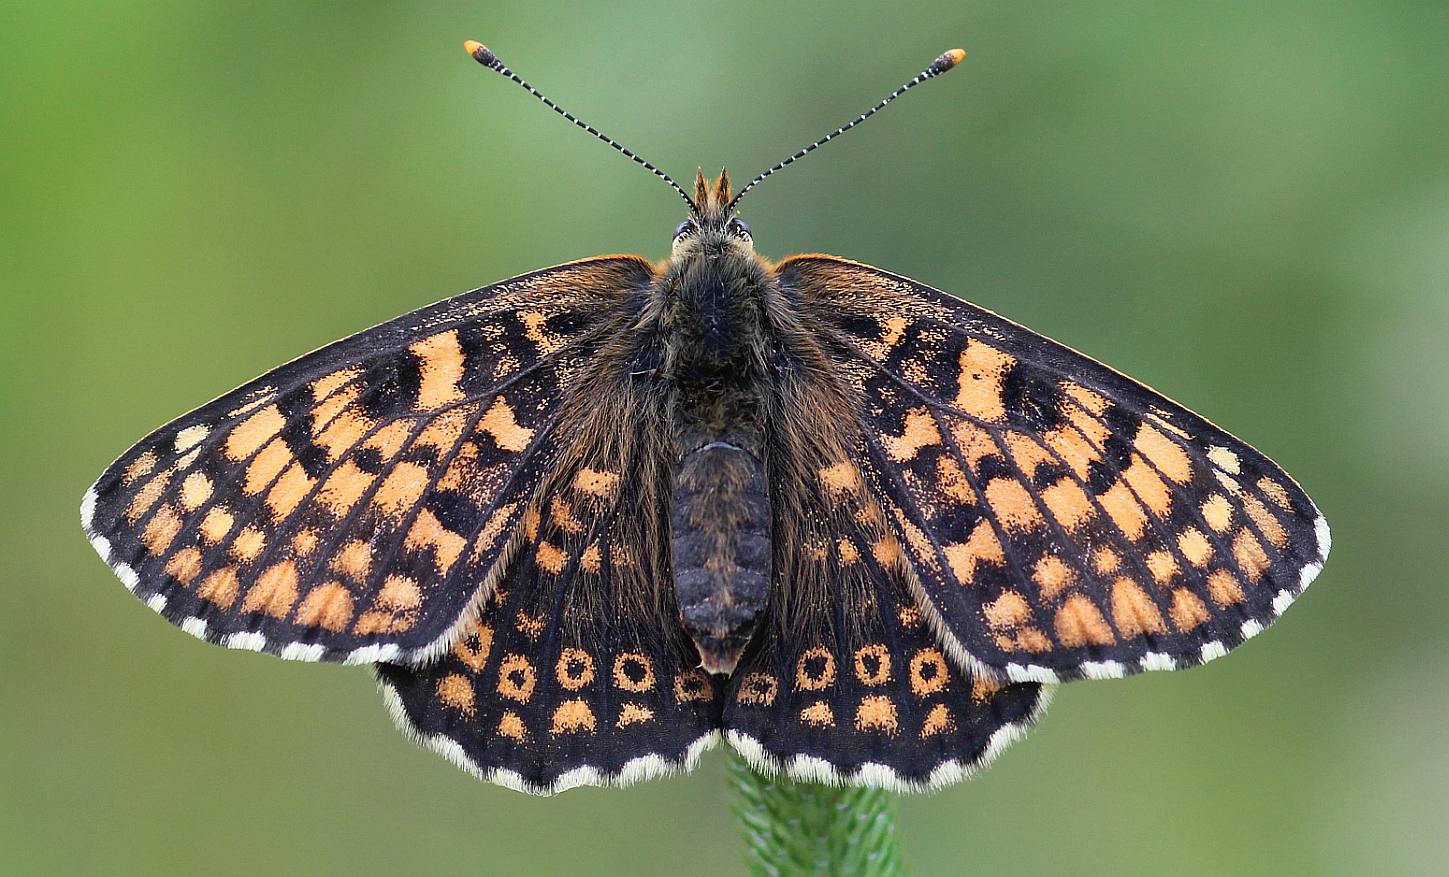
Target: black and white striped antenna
x=945, y=61
x=484, y=55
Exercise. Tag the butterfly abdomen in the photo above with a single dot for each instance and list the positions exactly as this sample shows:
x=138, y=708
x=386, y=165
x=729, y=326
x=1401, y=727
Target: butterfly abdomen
x=720, y=525
x=720, y=521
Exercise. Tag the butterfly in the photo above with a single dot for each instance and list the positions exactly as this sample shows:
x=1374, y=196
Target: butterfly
x=586, y=522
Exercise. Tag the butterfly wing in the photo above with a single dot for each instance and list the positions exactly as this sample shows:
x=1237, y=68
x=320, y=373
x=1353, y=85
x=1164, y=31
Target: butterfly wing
x=578, y=671
x=1062, y=520
x=350, y=505
x=845, y=679
x=856, y=689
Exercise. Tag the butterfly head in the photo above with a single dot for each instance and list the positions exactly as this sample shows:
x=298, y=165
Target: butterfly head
x=712, y=227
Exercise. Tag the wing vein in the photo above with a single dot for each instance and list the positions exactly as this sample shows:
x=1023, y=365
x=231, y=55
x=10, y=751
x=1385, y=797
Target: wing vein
x=950, y=442
x=208, y=447
x=234, y=479
x=1220, y=545
x=935, y=406
x=545, y=431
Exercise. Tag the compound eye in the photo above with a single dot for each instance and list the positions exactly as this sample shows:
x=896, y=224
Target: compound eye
x=739, y=228
x=685, y=228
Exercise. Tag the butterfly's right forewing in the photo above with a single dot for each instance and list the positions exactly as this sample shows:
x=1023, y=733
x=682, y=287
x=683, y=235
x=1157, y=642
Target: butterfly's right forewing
x=350, y=505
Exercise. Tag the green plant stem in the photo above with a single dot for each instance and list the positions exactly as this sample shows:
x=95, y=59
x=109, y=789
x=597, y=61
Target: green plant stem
x=792, y=828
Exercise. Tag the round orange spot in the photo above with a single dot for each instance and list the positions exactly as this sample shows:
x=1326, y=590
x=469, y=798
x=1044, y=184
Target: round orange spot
x=328, y=606
x=596, y=482
x=573, y=716
x=516, y=678
x=633, y=672
x=511, y=726
x=982, y=689
x=575, y=669
x=928, y=672
x=873, y=664
x=815, y=670
x=1187, y=610
x=692, y=686
x=473, y=646
x=1080, y=623
x=818, y=714
x=634, y=713
x=457, y=692
x=938, y=721
x=758, y=689
x=877, y=714
x=529, y=625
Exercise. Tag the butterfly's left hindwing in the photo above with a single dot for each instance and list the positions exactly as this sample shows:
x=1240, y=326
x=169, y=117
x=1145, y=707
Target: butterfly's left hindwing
x=1062, y=519
x=577, y=671
x=349, y=505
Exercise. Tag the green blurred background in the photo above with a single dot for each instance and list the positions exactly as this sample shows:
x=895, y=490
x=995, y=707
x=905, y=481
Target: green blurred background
x=1245, y=204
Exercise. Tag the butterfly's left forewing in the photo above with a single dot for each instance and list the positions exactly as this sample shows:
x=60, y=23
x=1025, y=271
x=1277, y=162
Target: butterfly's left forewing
x=1062, y=520
x=350, y=505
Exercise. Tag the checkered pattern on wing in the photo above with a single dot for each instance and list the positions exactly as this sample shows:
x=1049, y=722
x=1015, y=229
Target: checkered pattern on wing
x=348, y=505
x=1063, y=519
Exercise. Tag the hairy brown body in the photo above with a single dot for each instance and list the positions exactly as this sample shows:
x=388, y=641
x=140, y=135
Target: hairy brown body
x=713, y=298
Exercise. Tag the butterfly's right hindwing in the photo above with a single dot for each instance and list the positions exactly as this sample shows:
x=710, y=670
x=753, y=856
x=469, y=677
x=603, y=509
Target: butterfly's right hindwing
x=348, y=505
x=577, y=671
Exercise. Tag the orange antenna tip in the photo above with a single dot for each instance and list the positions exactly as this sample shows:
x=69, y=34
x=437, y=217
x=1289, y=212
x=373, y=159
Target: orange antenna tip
x=944, y=61
x=481, y=53
x=947, y=60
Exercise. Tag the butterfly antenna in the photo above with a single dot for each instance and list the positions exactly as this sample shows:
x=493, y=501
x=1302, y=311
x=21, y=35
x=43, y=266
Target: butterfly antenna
x=945, y=61
x=484, y=55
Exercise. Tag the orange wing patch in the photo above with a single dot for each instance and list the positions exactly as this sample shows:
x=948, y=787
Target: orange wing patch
x=441, y=369
x=982, y=370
